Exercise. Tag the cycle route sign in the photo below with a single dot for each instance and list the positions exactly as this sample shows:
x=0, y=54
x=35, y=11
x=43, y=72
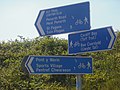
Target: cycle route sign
x=91, y=41
x=63, y=19
x=58, y=65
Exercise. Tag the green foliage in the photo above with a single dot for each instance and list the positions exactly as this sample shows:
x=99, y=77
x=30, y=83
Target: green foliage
x=11, y=55
x=106, y=75
x=106, y=66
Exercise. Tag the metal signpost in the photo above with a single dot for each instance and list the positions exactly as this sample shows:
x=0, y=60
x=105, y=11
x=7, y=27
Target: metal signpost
x=78, y=82
x=64, y=19
x=58, y=65
x=91, y=41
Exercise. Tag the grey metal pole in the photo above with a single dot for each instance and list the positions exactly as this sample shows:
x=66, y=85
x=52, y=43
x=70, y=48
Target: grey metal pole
x=78, y=82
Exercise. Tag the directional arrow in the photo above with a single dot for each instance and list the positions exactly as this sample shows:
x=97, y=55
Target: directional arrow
x=58, y=65
x=112, y=37
x=28, y=64
x=24, y=69
x=38, y=23
x=64, y=19
x=92, y=41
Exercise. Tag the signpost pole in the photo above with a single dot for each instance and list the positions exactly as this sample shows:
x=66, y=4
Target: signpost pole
x=78, y=82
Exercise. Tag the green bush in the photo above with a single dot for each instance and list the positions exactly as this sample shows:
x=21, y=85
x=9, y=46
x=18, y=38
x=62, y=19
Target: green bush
x=106, y=66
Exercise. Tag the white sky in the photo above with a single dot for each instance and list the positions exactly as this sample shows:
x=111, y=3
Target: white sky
x=17, y=17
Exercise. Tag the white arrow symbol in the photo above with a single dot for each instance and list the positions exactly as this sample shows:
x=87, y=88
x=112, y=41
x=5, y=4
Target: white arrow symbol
x=112, y=37
x=39, y=21
x=29, y=65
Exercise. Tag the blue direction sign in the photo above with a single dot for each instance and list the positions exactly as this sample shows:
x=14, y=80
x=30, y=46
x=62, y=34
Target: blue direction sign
x=64, y=19
x=59, y=65
x=93, y=40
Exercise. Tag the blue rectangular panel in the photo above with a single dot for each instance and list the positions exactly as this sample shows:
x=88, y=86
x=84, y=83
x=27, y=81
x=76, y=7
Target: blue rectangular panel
x=64, y=19
x=91, y=41
x=59, y=65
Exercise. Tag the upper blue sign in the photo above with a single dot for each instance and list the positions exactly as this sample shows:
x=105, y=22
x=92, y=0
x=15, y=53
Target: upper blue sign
x=64, y=19
x=59, y=65
x=93, y=40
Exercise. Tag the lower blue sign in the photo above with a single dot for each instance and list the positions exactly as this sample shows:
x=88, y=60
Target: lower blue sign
x=59, y=65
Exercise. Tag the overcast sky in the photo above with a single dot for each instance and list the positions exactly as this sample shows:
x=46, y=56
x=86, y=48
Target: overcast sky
x=17, y=17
